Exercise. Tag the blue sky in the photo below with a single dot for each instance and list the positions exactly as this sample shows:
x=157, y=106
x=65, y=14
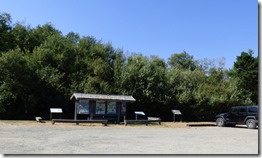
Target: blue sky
x=210, y=29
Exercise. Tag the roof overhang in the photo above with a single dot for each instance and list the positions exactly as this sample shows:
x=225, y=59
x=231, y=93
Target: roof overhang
x=79, y=96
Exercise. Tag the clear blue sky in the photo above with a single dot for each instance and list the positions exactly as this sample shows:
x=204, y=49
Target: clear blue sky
x=203, y=28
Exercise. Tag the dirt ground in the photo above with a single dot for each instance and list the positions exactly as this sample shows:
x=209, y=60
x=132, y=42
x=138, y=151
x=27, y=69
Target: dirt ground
x=112, y=125
x=31, y=137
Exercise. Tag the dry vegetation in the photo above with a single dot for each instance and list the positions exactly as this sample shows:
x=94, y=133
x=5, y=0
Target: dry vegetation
x=111, y=125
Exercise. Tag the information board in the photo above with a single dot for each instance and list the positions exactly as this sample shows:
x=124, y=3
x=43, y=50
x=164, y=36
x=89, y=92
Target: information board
x=139, y=113
x=176, y=112
x=83, y=107
x=56, y=110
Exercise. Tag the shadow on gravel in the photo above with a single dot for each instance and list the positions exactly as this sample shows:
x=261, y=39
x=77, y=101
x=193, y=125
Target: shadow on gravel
x=243, y=127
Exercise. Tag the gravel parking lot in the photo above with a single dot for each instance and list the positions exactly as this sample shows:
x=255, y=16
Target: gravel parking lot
x=44, y=138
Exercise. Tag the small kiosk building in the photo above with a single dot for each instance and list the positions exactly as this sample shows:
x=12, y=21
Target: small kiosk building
x=100, y=106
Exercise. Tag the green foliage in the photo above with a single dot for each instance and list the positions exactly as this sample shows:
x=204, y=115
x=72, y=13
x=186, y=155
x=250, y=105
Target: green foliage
x=246, y=71
x=40, y=68
x=23, y=38
x=5, y=29
x=182, y=61
x=145, y=78
x=14, y=82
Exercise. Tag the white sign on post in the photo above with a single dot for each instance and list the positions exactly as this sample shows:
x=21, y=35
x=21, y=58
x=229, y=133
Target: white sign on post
x=56, y=110
x=176, y=112
x=139, y=113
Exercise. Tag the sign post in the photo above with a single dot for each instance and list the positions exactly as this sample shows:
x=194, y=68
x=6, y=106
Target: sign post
x=55, y=110
x=176, y=112
x=139, y=113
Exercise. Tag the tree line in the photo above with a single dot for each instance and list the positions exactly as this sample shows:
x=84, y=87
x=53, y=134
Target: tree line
x=41, y=68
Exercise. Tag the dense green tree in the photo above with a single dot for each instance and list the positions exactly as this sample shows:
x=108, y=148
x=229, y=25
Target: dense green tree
x=23, y=37
x=145, y=79
x=182, y=61
x=15, y=84
x=133, y=76
x=41, y=33
x=118, y=65
x=52, y=63
x=246, y=70
x=182, y=85
x=6, y=38
x=40, y=68
x=80, y=68
x=215, y=93
x=100, y=62
x=196, y=92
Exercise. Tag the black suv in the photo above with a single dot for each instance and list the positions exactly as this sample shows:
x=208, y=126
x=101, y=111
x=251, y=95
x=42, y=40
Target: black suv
x=239, y=115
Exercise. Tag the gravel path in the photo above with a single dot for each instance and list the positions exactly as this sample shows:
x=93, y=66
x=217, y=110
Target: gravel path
x=71, y=139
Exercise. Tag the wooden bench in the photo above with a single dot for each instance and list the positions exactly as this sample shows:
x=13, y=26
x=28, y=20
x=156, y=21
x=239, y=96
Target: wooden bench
x=104, y=122
x=109, y=119
x=144, y=121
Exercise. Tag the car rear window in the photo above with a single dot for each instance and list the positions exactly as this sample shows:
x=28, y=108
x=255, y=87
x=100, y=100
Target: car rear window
x=252, y=109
